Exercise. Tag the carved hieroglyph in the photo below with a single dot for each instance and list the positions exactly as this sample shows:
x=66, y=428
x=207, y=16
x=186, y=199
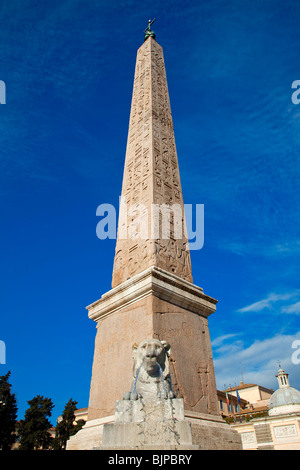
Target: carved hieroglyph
x=151, y=177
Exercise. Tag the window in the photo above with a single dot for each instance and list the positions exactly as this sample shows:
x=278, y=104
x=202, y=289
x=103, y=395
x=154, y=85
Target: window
x=283, y=380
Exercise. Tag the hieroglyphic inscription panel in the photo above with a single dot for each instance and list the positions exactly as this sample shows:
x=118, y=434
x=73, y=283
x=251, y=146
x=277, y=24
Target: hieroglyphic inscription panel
x=151, y=176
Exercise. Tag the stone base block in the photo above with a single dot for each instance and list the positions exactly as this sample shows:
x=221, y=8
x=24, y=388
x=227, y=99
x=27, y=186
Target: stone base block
x=212, y=433
x=210, y=437
x=90, y=436
x=154, y=435
x=197, y=431
x=148, y=424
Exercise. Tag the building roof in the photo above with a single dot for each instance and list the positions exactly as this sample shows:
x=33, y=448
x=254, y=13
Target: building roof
x=284, y=396
x=242, y=386
x=251, y=409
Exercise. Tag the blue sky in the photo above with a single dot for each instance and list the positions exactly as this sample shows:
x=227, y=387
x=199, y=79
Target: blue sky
x=68, y=68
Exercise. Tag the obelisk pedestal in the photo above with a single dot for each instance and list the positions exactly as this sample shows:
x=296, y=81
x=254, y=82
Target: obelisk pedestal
x=153, y=304
x=161, y=305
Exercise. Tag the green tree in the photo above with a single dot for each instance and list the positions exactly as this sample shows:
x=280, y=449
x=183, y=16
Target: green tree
x=66, y=427
x=8, y=414
x=34, y=429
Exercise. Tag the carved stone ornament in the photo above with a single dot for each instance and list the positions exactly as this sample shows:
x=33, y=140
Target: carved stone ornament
x=151, y=373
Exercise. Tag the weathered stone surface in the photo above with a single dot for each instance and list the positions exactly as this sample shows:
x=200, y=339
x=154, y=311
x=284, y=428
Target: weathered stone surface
x=151, y=176
x=140, y=410
x=215, y=436
x=148, y=435
x=112, y=365
x=147, y=424
x=192, y=378
x=143, y=307
x=208, y=432
x=90, y=436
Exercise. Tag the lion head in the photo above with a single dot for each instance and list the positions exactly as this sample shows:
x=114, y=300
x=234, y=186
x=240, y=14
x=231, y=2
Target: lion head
x=152, y=356
x=151, y=372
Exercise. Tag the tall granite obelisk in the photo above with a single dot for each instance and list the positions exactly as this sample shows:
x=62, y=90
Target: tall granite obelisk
x=151, y=176
x=152, y=295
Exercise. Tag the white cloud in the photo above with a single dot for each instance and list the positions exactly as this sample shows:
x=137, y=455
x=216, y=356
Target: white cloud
x=268, y=302
x=294, y=308
x=269, y=249
x=221, y=339
x=258, y=362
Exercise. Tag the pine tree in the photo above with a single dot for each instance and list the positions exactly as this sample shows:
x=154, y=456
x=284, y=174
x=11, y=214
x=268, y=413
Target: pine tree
x=8, y=414
x=34, y=429
x=66, y=427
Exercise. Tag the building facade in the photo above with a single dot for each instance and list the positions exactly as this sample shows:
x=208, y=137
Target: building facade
x=279, y=428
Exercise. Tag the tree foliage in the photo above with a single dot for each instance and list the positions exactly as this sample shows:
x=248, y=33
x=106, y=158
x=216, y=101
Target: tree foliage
x=8, y=414
x=67, y=426
x=34, y=429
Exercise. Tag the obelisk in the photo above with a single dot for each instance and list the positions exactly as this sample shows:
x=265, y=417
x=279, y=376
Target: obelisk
x=153, y=295
x=151, y=176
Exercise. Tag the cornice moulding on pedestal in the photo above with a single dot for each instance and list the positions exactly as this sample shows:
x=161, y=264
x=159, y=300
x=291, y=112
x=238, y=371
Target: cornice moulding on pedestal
x=158, y=282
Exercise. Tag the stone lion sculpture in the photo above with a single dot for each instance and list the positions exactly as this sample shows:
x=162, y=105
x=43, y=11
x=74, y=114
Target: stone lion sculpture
x=151, y=373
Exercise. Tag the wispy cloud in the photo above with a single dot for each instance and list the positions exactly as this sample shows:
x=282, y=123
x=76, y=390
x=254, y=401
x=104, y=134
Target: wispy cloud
x=287, y=248
x=265, y=247
x=221, y=339
x=257, y=362
x=269, y=302
x=294, y=308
